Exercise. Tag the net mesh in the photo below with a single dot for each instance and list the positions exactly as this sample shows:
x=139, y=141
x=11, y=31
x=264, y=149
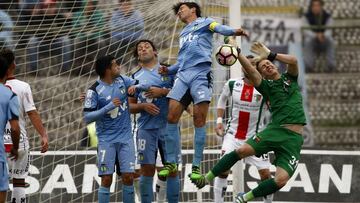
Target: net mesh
x=56, y=44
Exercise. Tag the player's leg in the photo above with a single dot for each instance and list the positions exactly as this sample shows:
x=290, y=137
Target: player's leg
x=220, y=183
x=147, y=149
x=262, y=163
x=201, y=92
x=4, y=181
x=179, y=99
x=286, y=145
x=126, y=159
x=161, y=185
x=21, y=166
x=106, y=161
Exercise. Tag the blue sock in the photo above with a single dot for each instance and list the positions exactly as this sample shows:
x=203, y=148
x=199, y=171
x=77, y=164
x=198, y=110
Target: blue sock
x=104, y=194
x=171, y=139
x=128, y=194
x=173, y=189
x=200, y=136
x=146, y=189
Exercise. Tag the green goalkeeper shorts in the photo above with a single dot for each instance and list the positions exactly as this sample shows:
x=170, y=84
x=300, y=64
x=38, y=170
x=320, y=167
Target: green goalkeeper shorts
x=285, y=143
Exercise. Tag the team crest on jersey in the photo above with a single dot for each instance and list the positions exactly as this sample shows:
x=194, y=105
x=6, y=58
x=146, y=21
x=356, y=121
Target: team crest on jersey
x=257, y=98
x=256, y=139
x=247, y=94
x=122, y=90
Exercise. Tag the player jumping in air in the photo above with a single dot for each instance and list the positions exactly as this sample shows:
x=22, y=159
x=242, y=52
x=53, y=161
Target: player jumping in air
x=194, y=81
x=283, y=135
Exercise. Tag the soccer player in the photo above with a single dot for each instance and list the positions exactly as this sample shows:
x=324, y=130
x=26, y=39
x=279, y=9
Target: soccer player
x=18, y=169
x=106, y=103
x=283, y=135
x=194, y=81
x=9, y=111
x=153, y=107
x=247, y=117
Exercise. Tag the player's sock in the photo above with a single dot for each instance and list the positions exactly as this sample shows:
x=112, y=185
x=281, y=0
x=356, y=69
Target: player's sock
x=137, y=189
x=171, y=139
x=266, y=187
x=128, y=193
x=220, y=185
x=224, y=164
x=200, y=136
x=268, y=198
x=146, y=189
x=161, y=191
x=104, y=194
x=173, y=189
x=18, y=195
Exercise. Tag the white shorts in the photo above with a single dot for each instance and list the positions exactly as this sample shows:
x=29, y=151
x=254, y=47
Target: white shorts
x=19, y=168
x=230, y=143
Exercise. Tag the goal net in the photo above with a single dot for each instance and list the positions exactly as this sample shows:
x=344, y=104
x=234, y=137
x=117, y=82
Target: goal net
x=56, y=43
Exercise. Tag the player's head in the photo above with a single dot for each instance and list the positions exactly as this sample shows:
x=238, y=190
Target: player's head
x=9, y=56
x=4, y=67
x=267, y=69
x=316, y=6
x=186, y=10
x=125, y=6
x=145, y=51
x=107, y=65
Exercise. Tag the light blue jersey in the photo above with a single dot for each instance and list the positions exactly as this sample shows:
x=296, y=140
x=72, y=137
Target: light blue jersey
x=153, y=78
x=113, y=124
x=9, y=109
x=196, y=47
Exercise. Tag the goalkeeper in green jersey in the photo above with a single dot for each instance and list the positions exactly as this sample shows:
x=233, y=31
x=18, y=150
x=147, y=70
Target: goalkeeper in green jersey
x=283, y=135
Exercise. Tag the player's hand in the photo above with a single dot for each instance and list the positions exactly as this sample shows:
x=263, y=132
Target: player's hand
x=82, y=96
x=154, y=92
x=44, y=143
x=14, y=154
x=219, y=129
x=151, y=109
x=241, y=32
x=132, y=90
x=116, y=101
x=163, y=70
x=320, y=36
x=261, y=50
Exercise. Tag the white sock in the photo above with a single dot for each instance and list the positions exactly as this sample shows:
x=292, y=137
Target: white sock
x=220, y=185
x=137, y=189
x=160, y=191
x=268, y=198
x=18, y=195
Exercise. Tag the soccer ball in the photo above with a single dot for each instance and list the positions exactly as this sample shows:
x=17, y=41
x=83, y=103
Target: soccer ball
x=226, y=55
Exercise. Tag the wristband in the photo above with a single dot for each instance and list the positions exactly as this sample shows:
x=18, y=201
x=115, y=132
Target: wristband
x=219, y=120
x=272, y=56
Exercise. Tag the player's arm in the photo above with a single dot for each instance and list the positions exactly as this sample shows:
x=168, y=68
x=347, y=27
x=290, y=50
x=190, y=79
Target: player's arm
x=35, y=118
x=253, y=75
x=91, y=112
x=136, y=107
x=134, y=85
x=264, y=53
x=169, y=70
x=226, y=30
x=220, y=109
x=13, y=115
x=38, y=125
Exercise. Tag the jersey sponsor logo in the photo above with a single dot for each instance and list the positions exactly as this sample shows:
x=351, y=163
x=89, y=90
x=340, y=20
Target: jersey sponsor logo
x=188, y=38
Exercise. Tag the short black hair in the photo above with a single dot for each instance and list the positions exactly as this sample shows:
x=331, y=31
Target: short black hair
x=103, y=63
x=313, y=1
x=8, y=55
x=4, y=66
x=135, y=53
x=177, y=6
